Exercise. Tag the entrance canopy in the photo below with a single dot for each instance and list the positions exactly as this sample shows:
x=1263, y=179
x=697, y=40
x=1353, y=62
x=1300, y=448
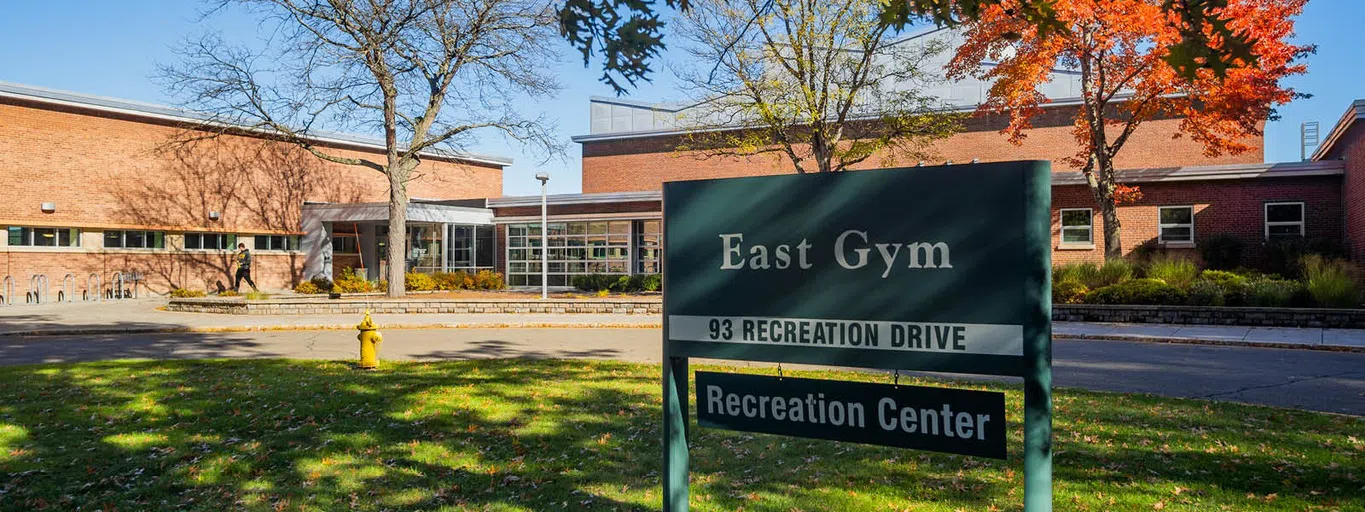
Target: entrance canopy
x=441, y=236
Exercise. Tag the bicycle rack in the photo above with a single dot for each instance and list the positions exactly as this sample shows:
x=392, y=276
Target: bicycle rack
x=116, y=283
x=37, y=289
x=93, y=279
x=68, y=291
x=7, y=291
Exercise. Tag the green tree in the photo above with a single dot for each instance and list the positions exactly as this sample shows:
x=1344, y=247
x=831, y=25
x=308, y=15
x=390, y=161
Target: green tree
x=827, y=85
x=629, y=34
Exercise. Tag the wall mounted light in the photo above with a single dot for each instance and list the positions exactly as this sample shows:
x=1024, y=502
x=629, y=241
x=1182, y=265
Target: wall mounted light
x=49, y=207
x=214, y=215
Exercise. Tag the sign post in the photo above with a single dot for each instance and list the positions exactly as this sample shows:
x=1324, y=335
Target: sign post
x=941, y=269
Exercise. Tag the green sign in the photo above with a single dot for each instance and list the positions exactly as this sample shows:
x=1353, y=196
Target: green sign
x=928, y=268
x=940, y=419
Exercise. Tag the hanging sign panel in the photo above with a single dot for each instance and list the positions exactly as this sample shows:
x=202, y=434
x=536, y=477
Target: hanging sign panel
x=965, y=422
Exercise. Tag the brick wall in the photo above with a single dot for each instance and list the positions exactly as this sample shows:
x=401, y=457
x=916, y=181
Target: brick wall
x=106, y=170
x=1220, y=206
x=1351, y=147
x=644, y=163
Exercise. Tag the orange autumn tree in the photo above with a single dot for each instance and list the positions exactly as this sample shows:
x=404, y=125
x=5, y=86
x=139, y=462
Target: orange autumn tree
x=1121, y=49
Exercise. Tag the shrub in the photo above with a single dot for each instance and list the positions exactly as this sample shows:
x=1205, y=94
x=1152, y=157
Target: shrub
x=1276, y=293
x=1094, y=276
x=184, y=293
x=1221, y=251
x=1222, y=277
x=451, y=281
x=1146, y=291
x=1112, y=272
x=418, y=282
x=1206, y=293
x=594, y=282
x=307, y=288
x=1330, y=282
x=1147, y=251
x=1177, y=272
x=1069, y=292
x=1284, y=255
x=257, y=296
x=228, y=293
x=1074, y=272
x=489, y=280
x=323, y=284
x=350, y=282
x=653, y=282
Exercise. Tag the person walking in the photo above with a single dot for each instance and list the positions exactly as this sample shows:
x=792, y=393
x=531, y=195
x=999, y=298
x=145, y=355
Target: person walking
x=243, y=269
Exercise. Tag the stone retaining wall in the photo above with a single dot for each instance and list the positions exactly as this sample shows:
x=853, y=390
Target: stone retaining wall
x=1195, y=315
x=348, y=307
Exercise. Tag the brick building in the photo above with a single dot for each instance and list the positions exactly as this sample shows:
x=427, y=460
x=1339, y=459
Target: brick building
x=97, y=189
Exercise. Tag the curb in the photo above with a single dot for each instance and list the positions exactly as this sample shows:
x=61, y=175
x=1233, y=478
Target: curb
x=328, y=327
x=608, y=325
x=1203, y=341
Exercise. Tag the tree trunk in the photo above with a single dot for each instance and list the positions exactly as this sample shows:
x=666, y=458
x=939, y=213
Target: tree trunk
x=1101, y=183
x=398, y=232
x=1113, y=246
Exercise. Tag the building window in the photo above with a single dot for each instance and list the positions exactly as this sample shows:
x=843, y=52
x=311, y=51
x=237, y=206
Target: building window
x=277, y=242
x=575, y=248
x=209, y=241
x=1076, y=226
x=345, y=244
x=135, y=239
x=44, y=237
x=648, y=246
x=1283, y=220
x=1176, y=224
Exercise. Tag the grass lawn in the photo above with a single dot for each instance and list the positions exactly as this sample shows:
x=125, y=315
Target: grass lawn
x=577, y=435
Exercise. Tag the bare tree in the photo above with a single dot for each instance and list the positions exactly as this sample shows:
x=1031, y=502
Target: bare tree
x=427, y=74
x=825, y=84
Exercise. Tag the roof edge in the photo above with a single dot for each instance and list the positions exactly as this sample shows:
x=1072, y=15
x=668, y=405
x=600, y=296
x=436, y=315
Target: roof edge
x=1353, y=113
x=167, y=113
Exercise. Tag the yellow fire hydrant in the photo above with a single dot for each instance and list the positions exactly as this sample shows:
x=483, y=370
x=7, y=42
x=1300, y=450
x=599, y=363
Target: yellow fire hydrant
x=369, y=343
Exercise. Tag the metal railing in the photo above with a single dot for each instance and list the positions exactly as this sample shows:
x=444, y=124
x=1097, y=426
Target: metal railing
x=37, y=289
x=7, y=291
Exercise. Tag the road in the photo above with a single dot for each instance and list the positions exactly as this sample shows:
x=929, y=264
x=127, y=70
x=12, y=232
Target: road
x=1305, y=379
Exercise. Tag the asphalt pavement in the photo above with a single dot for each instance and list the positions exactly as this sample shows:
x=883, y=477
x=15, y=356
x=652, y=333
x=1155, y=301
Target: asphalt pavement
x=1305, y=379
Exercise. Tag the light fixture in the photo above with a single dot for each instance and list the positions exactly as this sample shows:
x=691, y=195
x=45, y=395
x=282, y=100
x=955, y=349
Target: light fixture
x=49, y=207
x=543, y=177
x=214, y=215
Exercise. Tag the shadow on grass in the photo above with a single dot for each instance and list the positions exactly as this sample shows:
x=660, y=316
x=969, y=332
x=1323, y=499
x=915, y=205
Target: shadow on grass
x=501, y=349
x=576, y=435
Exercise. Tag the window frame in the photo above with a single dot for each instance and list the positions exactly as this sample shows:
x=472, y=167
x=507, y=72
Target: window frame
x=229, y=241
x=291, y=243
x=147, y=234
x=1089, y=228
x=355, y=242
x=1161, y=226
x=73, y=236
x=1302, y=222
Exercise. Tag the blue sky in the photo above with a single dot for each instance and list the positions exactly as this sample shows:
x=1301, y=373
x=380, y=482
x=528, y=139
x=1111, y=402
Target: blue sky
x=112, y=48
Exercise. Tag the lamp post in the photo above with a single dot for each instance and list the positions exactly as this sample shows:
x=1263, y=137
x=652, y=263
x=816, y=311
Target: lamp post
x=544, y=238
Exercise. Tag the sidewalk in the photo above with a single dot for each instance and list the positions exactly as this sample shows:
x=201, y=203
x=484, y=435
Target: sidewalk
x=1278, y=337
x=142, y=316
